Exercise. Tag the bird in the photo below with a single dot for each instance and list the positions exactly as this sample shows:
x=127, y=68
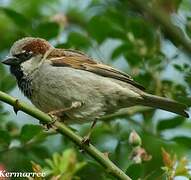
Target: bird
x=75, y=87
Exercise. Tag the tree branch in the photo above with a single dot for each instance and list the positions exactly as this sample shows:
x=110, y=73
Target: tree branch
x=63, y=129
x=159, y=15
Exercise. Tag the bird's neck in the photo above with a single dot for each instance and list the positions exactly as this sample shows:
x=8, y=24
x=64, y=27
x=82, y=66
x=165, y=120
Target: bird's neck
x=24, y=81
x=17, y=72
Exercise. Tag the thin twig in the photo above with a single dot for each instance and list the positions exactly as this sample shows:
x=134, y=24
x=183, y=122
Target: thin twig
x=162, y=18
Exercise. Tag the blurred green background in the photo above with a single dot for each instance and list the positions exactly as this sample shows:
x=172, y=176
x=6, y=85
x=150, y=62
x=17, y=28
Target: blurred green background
x=127, y=36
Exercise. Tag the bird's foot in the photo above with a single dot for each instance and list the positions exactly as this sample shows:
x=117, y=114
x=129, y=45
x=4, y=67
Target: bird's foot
x=47, y=126
x=85, y=140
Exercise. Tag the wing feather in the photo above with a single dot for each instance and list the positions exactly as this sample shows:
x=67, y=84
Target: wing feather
x=81, y=61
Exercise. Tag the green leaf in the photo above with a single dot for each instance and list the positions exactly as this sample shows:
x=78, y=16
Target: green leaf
x=121, y=155
x=169, y=123
x=182, y=140
x=19, y=19
x=101, y=33
x=178, y=67
x=2, y=71
x=5, y=138
x=120, y=50
x=78, y=40
x=101, y=28
x=145, y=79
x=135, y=171
x=188, y=27
x=188, y=79
x=133, y=58
x=92, y=169
x=47, y=30
x=143, y=30
x=7, y=83
x=29, y=131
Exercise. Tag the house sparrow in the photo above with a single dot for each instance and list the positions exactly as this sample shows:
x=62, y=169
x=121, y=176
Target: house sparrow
x=75, y=86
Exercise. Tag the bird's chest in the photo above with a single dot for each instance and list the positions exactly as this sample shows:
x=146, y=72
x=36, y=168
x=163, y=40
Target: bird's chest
x=46, y=95
x=25, y=85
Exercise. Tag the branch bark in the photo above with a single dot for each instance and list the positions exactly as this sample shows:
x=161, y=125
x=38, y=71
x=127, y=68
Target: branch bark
x=111, y=168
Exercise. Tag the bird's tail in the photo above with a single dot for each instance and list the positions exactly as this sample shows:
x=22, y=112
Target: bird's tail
x=165, y=104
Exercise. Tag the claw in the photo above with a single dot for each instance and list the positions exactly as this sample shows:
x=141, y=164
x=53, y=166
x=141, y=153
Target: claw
x=16, y=106
x=85, y=141
x=49, y=125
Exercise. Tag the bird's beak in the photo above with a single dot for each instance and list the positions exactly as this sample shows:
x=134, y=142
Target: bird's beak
x=10, y=61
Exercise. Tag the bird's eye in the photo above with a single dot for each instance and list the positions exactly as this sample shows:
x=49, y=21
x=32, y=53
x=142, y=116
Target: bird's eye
x=25, y=55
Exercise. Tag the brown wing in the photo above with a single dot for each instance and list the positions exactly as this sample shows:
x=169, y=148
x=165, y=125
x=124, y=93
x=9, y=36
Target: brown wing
x=81, y=61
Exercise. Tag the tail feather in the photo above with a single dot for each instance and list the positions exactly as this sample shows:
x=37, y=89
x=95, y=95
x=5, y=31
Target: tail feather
x=165, y=104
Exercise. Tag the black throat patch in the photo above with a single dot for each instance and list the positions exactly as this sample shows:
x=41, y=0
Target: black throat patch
x=24, y=82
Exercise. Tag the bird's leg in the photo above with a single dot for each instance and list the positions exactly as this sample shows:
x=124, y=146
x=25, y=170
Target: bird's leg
x=86, y=139
x=58, y=114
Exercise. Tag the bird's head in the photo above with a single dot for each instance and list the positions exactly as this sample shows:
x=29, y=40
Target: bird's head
x=27, y=53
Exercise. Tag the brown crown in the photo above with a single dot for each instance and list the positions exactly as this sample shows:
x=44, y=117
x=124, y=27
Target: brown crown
x=37, y=46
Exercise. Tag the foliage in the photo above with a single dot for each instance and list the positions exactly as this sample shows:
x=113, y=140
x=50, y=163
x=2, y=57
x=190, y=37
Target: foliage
x=175, y=167
x=63, y=166
x=122, y=35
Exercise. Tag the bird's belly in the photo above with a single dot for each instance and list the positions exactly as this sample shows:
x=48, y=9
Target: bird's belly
x=50, y=99
x=58, y=88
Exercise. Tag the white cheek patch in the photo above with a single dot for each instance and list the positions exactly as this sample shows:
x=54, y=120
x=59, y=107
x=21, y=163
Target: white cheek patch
x=30, y=65
x=25, y=66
